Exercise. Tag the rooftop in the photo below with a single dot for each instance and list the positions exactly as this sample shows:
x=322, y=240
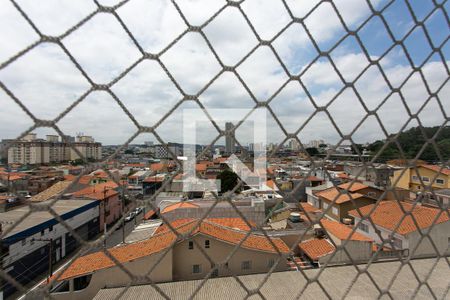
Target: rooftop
x=287, y=285
x=353, y=186
x=334, y=194
x=61, y=207
x=165, y=238
x=316, y=248
x=343, y=232
x=388, y=214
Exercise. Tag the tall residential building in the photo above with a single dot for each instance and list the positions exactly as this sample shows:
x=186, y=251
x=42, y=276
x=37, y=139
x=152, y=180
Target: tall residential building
x=31, y=150
x=230, y=144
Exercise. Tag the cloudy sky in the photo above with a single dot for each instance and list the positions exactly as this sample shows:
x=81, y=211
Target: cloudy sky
x=47, y=82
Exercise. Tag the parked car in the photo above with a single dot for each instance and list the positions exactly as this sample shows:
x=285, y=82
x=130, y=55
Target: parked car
x=130, y=216
x=138, y=210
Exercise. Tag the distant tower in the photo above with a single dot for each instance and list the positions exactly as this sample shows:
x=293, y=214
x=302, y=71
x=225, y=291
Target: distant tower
x=230, y=145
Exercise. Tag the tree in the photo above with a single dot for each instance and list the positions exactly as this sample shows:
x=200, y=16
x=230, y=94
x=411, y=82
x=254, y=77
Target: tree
x=312, y=151
x=129, y=151
x=228, y=180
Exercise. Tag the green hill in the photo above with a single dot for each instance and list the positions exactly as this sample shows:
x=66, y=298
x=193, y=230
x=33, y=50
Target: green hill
x=411, y=142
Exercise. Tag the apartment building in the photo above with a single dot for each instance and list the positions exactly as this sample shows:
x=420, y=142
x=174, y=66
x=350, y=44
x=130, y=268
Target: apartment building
x=170, y=259
x=32, y=150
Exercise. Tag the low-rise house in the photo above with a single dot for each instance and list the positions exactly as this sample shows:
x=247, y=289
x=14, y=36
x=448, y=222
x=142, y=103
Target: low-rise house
x=394, y=224
x=25, y=248
x=110, y=204
x=170, y=258
x=320, y=249
x=336, y=204
x=439, y=198
x=414, y=178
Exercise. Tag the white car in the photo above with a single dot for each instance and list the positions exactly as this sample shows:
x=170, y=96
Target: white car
x=130, y=216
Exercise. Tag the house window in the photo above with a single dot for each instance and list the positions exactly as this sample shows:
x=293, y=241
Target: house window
x=397, y=243
x=191, y=245
x=363, y=227
x=82, y=282
x=42, y=232
x=335, y=211
x=325, y=205
x=246, y=265
x=440, y=181
x=270, y=263
x=50, y=228
x=207, y=244
x=425, y=179
x=196, y=269
x=414, y=177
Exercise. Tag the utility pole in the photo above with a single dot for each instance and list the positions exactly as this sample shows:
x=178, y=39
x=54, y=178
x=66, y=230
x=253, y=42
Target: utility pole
x=104, y=217
x=50, y=256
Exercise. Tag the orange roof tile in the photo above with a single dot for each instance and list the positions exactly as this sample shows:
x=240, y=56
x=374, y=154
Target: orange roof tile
x=333, y=194
x=355, y=186
x=232, y=223
x=177, y=206
x=316, y=248
x=342, y=231
x=69, y=177
x=436, y=168
x=157, y=167
x=54, y=190
x=99, y=191
x=201, y=167
x=163, y=239
x=154, y=179
x=388, y=214
x=308, y=208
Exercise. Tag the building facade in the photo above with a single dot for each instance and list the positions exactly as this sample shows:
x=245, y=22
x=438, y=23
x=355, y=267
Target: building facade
x=33, y=151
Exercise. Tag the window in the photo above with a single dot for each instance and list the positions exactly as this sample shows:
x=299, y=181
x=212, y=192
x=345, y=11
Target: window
x=440, y=181
x=207, y=244
x=425, y=179
x=397, y=243
x=270, y=263
x=82, y=282
x=414, y=177
x=42, y=232
x=50, y=228
x=246, y=265
x=335, y=211
x=191, y=245
x=363, y=227
x=196, y=269
x=325, y=205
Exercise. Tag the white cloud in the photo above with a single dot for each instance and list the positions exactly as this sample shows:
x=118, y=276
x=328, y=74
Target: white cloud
x=47, y=82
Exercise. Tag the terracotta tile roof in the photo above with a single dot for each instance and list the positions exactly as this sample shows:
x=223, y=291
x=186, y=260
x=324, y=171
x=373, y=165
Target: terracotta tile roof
x=436, y=168
x=98, y=260
x=163, y=239
x=342, y=231
x=313, y=178
x=98, y=191
x=157, y=167
x=102, y=195
x=149, y=214
x=237, y=223
x=331, y=194
x=51, y=192
x=316, y=248
x=85, y=179
x=201, y=167
x=69, y=177
x=388, y=214
x=177, y=206
x=308, y=208
x=270, y=183
x=355, y=186
x=175, y=224
x=343, y=176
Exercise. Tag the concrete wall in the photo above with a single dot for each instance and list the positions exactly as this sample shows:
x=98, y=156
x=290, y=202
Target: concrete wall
x=440, y=234
x=184, y=259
